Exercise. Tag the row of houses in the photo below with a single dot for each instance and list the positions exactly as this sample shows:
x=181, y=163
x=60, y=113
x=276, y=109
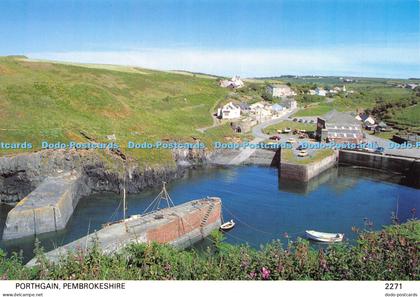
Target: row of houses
x=370, y=123
x=342, y=127
x=323, y=92
x=261, y=110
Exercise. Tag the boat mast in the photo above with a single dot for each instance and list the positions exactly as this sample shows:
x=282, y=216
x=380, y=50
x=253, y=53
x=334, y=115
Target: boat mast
x=124, y=207
x=124, y=198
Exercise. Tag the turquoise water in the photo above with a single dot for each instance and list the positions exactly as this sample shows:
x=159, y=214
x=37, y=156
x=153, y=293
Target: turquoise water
x=263, y=206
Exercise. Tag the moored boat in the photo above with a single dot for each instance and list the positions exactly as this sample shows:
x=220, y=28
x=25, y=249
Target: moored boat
x=324, y=237
x=227, y=226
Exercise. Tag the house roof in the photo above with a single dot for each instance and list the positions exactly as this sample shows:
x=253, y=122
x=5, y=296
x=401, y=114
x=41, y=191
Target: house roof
x=276, y=106
x=339, y=118
x=244, y=105
x=279, y=86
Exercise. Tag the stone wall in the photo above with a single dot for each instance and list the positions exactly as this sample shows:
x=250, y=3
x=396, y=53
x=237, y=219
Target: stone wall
x=407, y=166
x=305, y=172
x=47, y=208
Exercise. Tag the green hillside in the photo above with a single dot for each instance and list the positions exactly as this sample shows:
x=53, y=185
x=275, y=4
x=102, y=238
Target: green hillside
x=67, y=102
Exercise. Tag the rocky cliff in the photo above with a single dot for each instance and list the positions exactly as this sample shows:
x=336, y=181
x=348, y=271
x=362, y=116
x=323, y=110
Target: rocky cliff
x=22, y=173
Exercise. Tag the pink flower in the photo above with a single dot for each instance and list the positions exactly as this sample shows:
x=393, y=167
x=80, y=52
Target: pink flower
x=265, y=273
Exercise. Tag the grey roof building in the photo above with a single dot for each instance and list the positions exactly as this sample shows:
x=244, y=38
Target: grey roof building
x=339, y=127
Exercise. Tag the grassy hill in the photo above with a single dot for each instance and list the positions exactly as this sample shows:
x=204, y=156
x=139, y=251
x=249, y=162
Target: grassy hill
x=42, y=100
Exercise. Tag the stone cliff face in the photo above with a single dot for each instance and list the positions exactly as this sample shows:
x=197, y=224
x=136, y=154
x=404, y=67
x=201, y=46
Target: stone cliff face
x=21, y=174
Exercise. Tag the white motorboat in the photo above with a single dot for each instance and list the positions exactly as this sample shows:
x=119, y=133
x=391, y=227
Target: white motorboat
x=227, y=226
x=324, y=237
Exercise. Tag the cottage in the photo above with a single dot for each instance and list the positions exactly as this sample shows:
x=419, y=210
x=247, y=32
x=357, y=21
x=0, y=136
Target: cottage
x=229, y=111
x=234, y=83
x=365, y=118
x=280, y=91
x=260, y=109
x=321, y=92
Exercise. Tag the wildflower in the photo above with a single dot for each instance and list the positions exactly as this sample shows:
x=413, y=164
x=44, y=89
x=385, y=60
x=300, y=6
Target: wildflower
x=252, y=275
x=265, y=273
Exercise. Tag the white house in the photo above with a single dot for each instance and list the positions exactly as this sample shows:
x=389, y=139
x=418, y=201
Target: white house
x=235, y=83
x=365, y=118
x=260, y=109
x=280, y=91
x=229, y=111
x=321, y=92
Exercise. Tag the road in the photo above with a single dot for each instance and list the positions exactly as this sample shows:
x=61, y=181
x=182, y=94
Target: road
x=257, y=130
x=412, y=153
x=259, y=135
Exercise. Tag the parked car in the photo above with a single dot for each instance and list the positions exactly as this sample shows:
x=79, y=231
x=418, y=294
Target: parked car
x=275, y=137
x=287, y=130
x=291, y=140
x=380, y=150
x=303, y=153
x=295, y=120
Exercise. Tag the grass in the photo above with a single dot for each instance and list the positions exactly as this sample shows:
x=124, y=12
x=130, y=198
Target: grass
x=314, y=110
x=385, y=135
x=289, y=124
x=288, y=156
x=55, y=102
x=409, y=116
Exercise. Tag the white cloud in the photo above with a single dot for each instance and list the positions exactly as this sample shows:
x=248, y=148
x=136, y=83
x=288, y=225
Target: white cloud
x=401, y=61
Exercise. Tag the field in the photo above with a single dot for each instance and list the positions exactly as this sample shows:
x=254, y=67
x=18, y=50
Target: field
x=288, y=156
x=44, y=101
x=409, y=116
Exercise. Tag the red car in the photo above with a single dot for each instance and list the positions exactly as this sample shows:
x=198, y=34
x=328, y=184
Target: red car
x=275, y=137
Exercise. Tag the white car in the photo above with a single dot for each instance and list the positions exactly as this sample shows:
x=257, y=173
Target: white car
x=303, y=153
x=291, y=140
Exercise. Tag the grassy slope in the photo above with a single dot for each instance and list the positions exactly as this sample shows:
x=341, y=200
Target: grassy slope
x=50, y=101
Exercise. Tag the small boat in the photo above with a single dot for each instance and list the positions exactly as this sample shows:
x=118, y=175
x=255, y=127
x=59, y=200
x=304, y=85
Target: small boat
x=324, y=237
x=227, y=226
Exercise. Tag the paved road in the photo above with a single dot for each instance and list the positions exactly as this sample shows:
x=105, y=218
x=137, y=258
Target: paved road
x=257, y=130
x=259, y=135
x=412, y=153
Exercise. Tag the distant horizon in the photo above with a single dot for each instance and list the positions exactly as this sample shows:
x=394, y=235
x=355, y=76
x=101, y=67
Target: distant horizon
x=250, y=38
x=280, y=75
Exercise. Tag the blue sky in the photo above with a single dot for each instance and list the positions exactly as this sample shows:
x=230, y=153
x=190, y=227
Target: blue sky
x=250, y=38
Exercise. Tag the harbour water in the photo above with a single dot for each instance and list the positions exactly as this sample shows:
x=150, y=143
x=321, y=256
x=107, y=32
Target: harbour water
x=264, y=206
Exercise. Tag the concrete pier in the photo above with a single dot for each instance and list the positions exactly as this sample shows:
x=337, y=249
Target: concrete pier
x=305, y=172
x=410, y=167
x=46, y=209
x=181, y=226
